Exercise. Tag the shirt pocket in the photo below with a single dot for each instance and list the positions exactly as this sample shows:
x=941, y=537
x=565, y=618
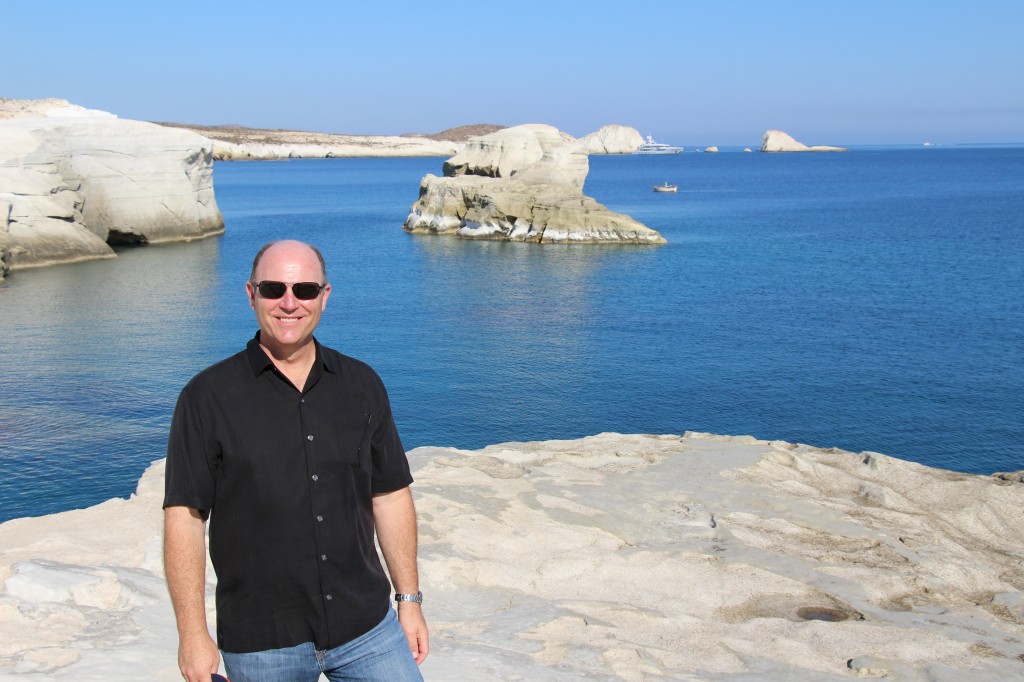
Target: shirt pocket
x=364, y=453
x=353, y=438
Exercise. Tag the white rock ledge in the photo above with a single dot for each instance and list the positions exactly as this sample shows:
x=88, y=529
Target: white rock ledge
x=627, y=557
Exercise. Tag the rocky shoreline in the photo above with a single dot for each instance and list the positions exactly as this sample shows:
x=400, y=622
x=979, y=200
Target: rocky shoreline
x=613, y=557
x=238, y=143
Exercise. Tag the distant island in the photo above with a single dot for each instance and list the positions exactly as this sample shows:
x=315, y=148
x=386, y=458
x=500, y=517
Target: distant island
x=778, y=141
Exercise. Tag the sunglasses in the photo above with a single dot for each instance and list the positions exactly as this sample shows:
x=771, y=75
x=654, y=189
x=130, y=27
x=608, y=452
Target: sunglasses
x=304, y=291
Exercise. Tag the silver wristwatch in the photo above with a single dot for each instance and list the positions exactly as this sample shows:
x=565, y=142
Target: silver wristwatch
x=418, y=597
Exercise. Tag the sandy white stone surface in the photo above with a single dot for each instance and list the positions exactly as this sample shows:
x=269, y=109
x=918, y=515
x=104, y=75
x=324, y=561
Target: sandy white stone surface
x=613, y=557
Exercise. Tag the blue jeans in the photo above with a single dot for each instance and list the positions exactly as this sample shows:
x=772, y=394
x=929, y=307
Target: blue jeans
x=381, y=655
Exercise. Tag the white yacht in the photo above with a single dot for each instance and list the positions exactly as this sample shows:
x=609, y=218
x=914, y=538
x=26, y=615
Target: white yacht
x=652, y=147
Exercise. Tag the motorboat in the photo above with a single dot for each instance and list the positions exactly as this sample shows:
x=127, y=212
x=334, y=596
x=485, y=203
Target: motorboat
x=666, y=187
x=651, y=147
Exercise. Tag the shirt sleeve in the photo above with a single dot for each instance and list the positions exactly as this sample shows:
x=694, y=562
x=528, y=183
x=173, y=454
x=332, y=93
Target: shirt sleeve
x=189, y=479
x=390, y=464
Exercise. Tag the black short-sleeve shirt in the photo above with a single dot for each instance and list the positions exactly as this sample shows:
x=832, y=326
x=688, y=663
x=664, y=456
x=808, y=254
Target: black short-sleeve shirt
x=286, y=478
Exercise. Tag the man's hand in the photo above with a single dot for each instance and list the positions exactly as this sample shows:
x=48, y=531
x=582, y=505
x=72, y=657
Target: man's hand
x=410, y=615
x=198, y=657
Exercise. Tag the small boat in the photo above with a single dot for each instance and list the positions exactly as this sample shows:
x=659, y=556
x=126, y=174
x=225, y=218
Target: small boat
x=665, y=187
x=651, y=147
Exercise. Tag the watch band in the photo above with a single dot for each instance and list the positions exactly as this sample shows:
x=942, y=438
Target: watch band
x=417, y=598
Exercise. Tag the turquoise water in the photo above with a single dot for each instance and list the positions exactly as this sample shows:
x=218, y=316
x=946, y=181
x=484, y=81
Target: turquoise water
x=870, y=301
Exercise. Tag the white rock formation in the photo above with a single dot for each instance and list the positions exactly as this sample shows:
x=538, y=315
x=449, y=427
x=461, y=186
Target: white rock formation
x=711, y=149
x=508, y=151
x=778, y=141
x=520, y=184
x=611, y=557
x=74, y=180
x=612, y=139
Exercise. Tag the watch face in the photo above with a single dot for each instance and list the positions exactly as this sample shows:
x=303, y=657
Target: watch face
x=418, y=597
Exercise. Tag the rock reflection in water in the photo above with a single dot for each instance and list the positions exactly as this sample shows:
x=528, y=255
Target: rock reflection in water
x=93, y=356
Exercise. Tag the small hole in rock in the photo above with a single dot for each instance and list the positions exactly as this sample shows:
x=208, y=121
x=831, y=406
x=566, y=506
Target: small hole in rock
x=821, y=613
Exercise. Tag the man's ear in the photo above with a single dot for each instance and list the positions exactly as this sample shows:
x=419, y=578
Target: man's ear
x=251, y=293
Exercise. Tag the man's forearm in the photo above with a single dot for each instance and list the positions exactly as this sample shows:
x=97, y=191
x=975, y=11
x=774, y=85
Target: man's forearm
x=395, y=518
x=185, y=567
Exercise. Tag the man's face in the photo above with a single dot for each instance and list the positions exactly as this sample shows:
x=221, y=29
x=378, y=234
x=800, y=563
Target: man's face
x=287, y=323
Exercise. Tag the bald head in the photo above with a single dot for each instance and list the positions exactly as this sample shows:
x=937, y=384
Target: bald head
x=291, y=245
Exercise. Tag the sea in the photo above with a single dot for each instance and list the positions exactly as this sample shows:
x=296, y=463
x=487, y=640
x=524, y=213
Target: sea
x=870, y=300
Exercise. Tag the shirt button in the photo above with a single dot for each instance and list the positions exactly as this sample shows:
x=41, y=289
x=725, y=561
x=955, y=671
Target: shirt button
x=315, y=477
x=319, y=518
x=329, y=597
x=302, y=400
x=309, y=437
x=323, y=557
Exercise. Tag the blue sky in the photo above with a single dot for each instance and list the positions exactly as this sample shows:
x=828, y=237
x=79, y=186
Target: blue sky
x=695, y=73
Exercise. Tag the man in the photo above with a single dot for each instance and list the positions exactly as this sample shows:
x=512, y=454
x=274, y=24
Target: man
x=290, y=450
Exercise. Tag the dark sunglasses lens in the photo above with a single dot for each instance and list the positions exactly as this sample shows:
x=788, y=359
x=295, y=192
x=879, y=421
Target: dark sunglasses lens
x=272, y=289
x=306, y=290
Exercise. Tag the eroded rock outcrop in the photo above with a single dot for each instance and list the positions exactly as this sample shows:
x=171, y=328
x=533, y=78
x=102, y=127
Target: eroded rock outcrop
x=612, y=139
x=520, y=184
x=74, y=181
x=778, y=141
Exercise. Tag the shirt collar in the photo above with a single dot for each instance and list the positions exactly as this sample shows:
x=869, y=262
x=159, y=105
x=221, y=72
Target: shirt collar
x=260, y=361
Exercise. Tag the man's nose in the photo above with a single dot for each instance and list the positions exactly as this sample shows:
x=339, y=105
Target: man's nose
x=288, y=300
